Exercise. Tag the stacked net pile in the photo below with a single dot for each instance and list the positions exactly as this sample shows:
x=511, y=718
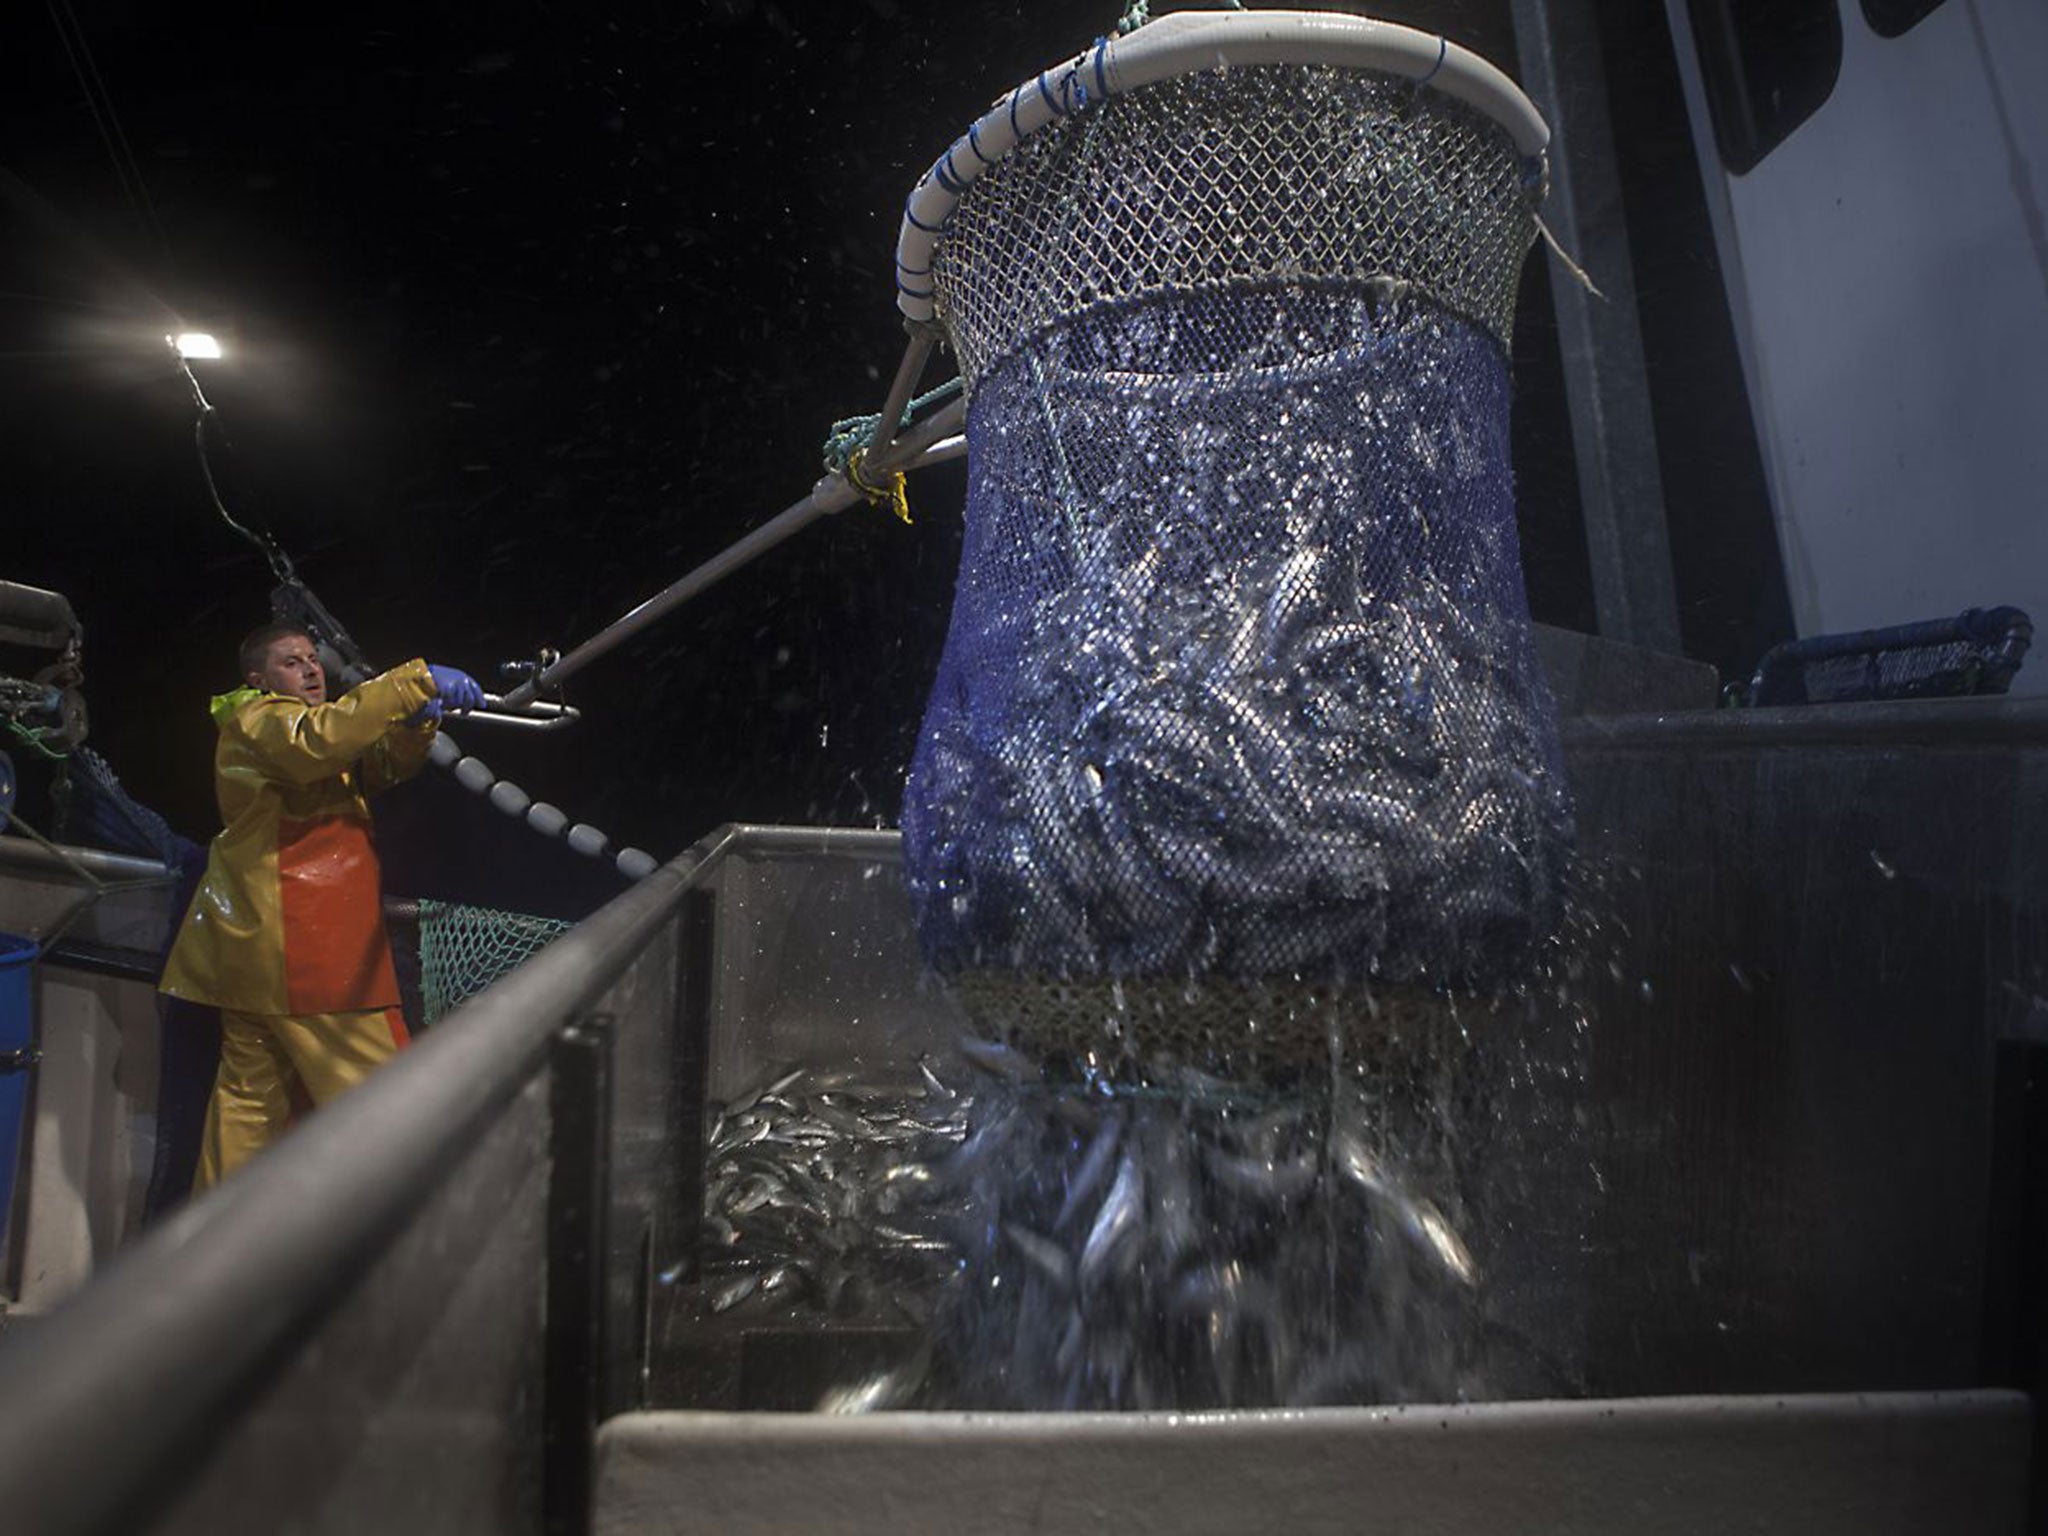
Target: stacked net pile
x=464, y=949
x=1240, y=684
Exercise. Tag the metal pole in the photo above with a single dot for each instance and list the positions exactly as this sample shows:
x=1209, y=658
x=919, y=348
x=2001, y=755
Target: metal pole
x=671, y=1233
x=930, y=442
x=1621, y=490
x=928, y=445
x=579, y=1145
x=905, y=381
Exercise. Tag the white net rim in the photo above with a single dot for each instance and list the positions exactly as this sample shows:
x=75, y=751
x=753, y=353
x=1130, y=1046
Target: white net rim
x=1183, y=44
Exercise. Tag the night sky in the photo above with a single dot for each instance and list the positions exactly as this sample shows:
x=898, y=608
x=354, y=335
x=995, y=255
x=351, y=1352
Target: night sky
x=532, y=309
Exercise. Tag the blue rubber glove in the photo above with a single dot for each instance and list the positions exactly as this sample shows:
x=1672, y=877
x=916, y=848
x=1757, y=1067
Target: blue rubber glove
x=458, y=690
x=453, y=689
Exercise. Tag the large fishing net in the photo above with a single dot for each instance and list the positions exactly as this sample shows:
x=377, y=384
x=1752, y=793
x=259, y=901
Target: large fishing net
x=1238, y=780
x=1240, y=687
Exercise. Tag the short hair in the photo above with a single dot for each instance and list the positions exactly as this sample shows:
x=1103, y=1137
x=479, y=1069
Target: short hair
x=257, y=643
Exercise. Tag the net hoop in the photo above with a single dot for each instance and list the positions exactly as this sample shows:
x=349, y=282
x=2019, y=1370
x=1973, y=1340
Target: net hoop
x=1183, y=44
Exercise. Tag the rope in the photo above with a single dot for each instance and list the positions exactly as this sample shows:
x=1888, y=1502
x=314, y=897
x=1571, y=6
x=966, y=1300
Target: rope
x=849, y=440
x=1585, y=278
x=32, y=738
x=854, y=433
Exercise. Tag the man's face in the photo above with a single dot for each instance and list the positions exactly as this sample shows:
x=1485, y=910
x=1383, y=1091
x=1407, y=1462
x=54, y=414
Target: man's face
x=292, y=667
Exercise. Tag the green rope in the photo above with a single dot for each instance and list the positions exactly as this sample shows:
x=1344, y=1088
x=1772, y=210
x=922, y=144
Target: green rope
x=850, y=436
x=32, y=737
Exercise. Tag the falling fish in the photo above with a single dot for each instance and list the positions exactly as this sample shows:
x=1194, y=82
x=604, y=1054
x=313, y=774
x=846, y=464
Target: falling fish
x=1094, y=1167
x=1188, y=1243
x=1268, y=1178
x=1003, y=1060
x=1120, y=1211
x=1045, y=1255
x=1419, y=1220
x=878, y=1391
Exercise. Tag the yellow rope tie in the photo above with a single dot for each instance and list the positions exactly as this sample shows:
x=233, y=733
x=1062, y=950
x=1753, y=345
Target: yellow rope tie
x=893, y=493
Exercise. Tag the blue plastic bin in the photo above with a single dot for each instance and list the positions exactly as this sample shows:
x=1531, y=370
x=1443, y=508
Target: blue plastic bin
x=1976, y=652
x=17, y=1056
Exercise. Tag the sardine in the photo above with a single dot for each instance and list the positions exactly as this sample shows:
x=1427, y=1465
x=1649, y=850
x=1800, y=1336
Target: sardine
x=1003, y=1060
x=1094, y=1166
x=876, y=1393
x=1441, y=1238
x=1045, y=1255
x=1262, y=1179
x=746, y=1102
x=1120, y=1212
x=1417, y=1219
x=733, y=1292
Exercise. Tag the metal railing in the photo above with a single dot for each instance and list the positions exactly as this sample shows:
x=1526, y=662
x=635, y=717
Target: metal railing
x=1952, y=723
x=110, y=1402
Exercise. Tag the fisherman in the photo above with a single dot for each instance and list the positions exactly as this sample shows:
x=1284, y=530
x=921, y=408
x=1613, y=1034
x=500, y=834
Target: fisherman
x=286, y=935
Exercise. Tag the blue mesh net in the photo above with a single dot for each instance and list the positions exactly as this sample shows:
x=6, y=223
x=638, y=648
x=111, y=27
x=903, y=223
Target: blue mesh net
x=1240, y=681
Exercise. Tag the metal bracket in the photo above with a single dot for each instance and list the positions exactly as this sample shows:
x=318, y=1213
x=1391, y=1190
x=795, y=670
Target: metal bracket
x=579, y=1118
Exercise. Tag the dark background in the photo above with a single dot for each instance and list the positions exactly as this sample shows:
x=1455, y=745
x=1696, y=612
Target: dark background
x=530, y=310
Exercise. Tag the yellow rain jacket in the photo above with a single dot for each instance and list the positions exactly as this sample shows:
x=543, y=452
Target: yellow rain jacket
x=288, y=918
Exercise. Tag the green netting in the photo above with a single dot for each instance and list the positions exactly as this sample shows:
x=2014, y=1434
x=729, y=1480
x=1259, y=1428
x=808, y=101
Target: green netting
x=465, y=949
